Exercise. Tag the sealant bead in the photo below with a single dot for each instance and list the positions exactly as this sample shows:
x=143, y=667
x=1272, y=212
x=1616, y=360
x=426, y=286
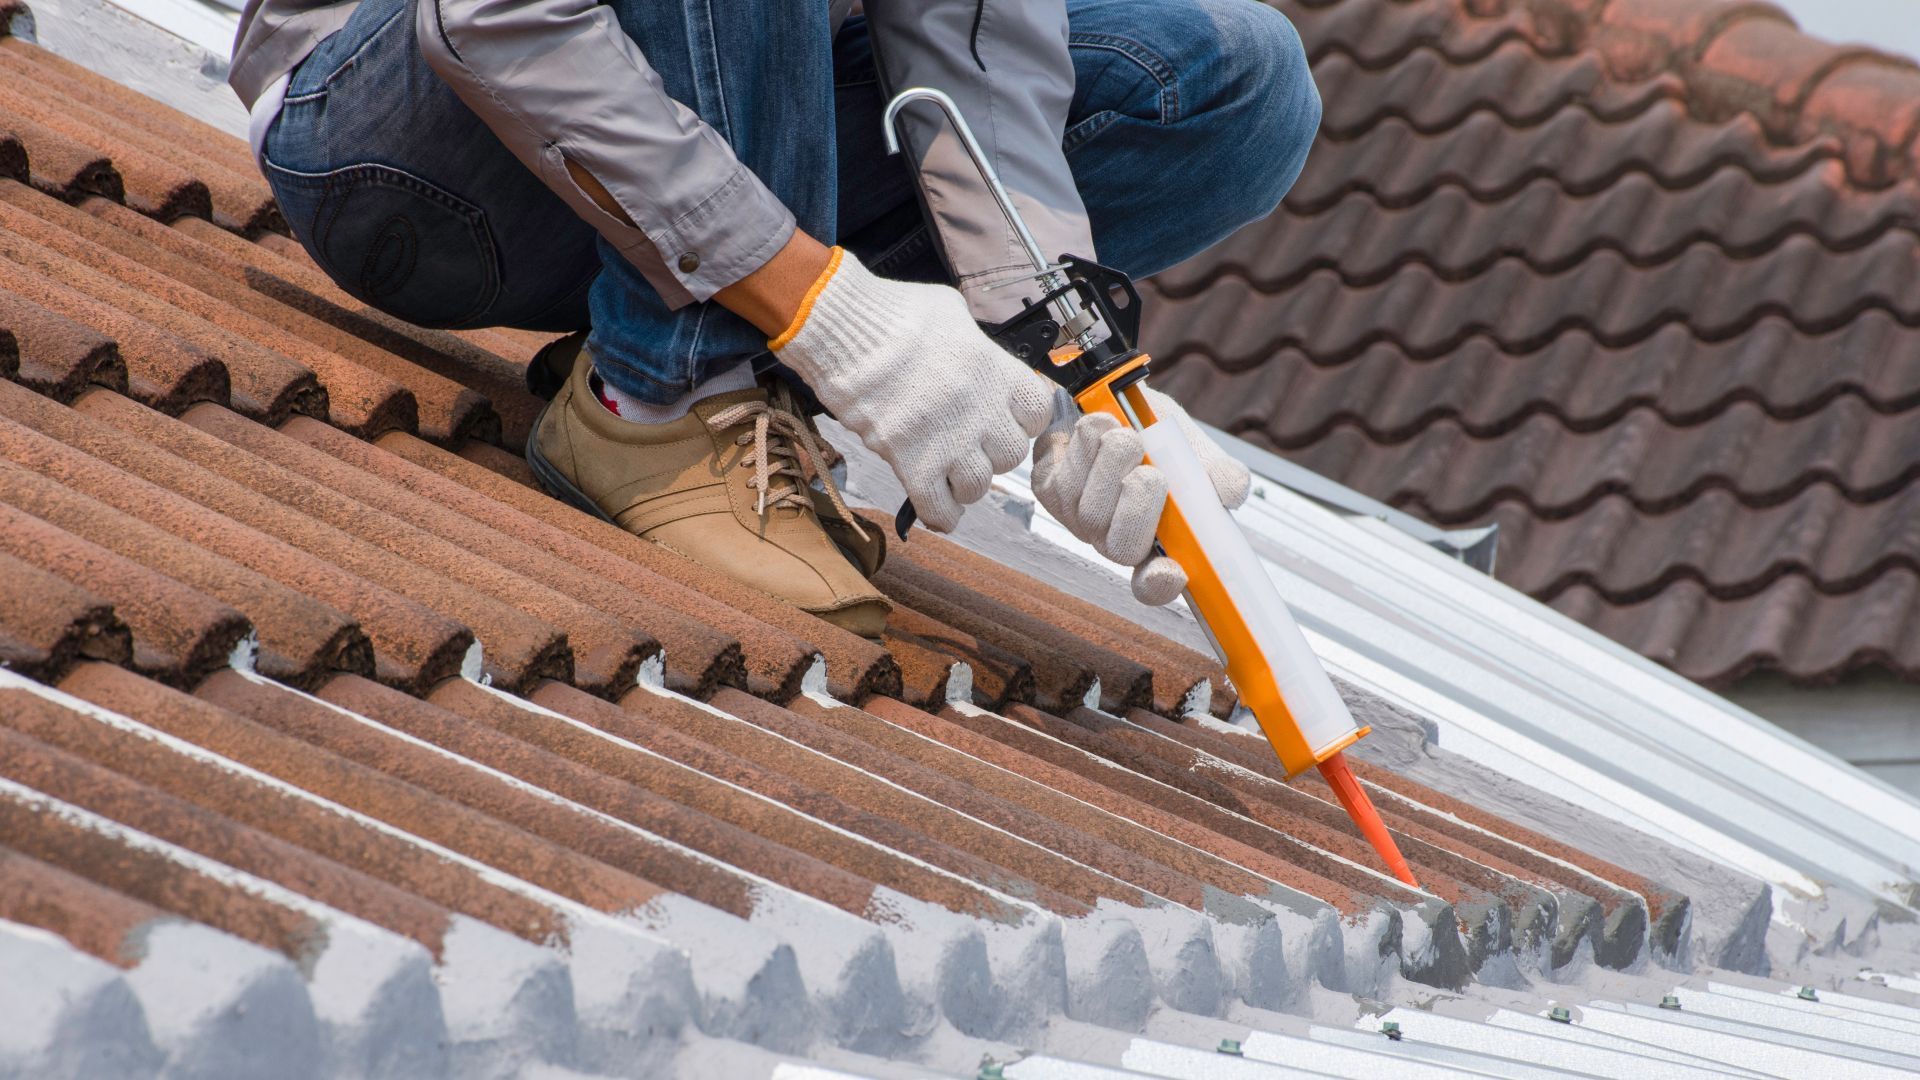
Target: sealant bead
x=1391, y=1029
x=1231, y=1046
x=1670, y=1002
x=1560, y=1015
x=1807, y=994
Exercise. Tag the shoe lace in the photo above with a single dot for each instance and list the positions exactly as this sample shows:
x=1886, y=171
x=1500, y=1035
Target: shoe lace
x=783, y=445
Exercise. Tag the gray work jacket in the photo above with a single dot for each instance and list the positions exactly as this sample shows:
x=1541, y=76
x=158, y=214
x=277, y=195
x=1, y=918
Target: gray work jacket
x=558, y=81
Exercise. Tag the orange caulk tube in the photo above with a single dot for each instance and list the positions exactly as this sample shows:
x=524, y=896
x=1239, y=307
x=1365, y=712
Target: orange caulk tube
x=1278, y=677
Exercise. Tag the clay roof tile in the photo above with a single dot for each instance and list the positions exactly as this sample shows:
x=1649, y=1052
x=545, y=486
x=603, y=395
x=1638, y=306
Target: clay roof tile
x=179, y=633
x=414, y=645
x=82, y=783
x=1640, y=38
x=47, y=623
x=301, y=639
x=58, y=356
x=162, y=369
x=1872, y=105
x=92, y=918
x=153, y=185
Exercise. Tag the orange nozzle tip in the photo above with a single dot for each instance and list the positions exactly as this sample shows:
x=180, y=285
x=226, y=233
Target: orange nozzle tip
x=1353, y=798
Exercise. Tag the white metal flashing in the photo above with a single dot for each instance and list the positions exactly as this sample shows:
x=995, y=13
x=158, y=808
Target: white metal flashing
x=1532, y=694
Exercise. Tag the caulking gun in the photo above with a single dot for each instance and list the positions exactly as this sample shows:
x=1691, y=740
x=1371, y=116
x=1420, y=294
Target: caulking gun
x=1080, y=333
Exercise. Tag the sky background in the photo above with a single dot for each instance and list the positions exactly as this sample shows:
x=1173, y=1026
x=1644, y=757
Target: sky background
x=1892, y=25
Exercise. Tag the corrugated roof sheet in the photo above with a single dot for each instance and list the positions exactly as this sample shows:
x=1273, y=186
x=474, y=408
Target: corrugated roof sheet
x=326, y=747
x=1630, y=279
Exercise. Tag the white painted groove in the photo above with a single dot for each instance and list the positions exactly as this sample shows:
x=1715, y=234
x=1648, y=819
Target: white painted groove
x=1806, y=1017
x=751, y=950
x=1580, y=1033
x=1156, y=1058
x=1422, y=1028
x=1363, y=1055
x=1044, y=1067
x=214, y=1002
x=1851, y=1005
x=615, y=967
x=1746, y=1046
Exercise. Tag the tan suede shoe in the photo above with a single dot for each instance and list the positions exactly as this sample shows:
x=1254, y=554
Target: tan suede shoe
x=722, y=486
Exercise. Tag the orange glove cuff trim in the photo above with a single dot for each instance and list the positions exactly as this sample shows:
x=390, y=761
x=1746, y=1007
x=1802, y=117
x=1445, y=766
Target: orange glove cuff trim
x=806, y=302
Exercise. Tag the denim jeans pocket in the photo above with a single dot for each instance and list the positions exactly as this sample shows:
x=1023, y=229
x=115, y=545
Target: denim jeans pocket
x=394, y=241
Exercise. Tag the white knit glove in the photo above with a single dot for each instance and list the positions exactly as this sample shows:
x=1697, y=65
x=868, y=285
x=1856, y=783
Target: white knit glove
x=1089, y=472
x=905, y=367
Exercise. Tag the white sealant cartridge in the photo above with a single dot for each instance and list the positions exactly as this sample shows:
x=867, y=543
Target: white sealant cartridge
x=1315, y=722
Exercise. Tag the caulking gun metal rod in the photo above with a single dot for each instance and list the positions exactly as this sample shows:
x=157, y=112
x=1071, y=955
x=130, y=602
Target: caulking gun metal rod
x=1043, y=268
x=890, y=124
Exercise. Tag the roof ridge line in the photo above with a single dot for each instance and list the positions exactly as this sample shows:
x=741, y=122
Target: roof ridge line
x=1698, y=41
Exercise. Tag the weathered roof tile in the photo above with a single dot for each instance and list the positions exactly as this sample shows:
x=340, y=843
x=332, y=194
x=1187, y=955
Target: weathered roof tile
x=414, y=645
x=47, y=624
x=179, y=633
x=301, y=639
x=58, y=356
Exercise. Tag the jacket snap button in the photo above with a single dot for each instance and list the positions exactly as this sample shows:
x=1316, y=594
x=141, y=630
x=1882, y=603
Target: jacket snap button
x=689, y=262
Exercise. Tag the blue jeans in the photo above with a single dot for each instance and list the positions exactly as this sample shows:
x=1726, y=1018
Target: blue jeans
x=1190, y=118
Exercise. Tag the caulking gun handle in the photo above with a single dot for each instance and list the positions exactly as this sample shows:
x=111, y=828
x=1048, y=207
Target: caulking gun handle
x=904, y=518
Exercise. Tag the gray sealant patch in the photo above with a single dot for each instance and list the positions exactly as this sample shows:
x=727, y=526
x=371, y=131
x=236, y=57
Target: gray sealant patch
x=219, y=1006
x=66, y=1014
x=506, y=1002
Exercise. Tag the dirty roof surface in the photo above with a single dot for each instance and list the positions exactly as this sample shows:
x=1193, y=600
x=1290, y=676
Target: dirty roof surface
x=324, y=740
x=1630, y=278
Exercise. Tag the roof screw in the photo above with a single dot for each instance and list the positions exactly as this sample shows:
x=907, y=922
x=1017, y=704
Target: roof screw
x=1391, y=1029
x=1231, y=1046
x=990, y=1069
x=1807, y=994
x=1560, y=1015
x=1670, y=1002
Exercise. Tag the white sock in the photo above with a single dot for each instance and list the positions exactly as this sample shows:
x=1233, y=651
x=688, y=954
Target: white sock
x=627, y=407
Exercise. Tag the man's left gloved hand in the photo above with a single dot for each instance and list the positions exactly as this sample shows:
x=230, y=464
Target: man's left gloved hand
x=1090, y=472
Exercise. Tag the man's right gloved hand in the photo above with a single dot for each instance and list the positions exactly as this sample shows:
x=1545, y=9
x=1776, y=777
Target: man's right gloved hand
x=905, y=367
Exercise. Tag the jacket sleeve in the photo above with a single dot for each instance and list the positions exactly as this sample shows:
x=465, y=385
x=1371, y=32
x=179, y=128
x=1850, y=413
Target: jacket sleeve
x=561, y=84
x=1005, y=63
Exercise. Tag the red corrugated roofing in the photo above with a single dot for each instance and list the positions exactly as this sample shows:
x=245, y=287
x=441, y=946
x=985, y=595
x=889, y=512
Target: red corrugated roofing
x=1631, y=278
